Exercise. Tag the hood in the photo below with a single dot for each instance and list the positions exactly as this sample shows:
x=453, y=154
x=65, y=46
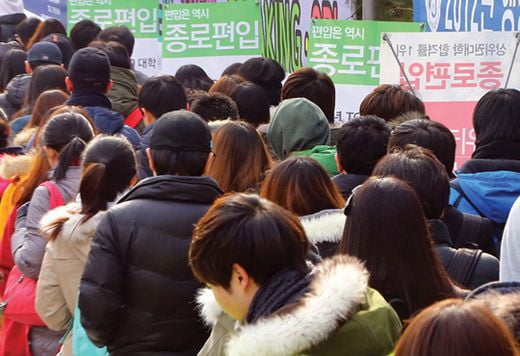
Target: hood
x=325, y=155
x=123, y=94
x=106, y=120
x=324, y=226
x=491, y=185
x=69, y=220
x=336, y=293
x=11, y=166
x=17, y=88
x=203, y=190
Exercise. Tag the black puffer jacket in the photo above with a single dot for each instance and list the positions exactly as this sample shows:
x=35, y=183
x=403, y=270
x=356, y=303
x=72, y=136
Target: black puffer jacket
x=137, y=291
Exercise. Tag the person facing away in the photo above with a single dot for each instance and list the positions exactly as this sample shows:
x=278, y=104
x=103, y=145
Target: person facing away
x=109, y=166
x=137, y=293
x=89, y=81
x=251, y=253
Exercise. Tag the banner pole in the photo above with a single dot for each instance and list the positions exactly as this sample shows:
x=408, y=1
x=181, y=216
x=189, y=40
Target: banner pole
x=517, y=35
x=386, y=38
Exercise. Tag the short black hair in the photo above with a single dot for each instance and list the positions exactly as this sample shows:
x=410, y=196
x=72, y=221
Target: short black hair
x=253, y=103
x=184, y=163
x=215, y=106
x=116, y=52
x=26, y=29
x=361, y=143
x=267, y=73
x=84, y=32
x=428, y=134
x=162, y=94
x=119, y=34
x=193, y=77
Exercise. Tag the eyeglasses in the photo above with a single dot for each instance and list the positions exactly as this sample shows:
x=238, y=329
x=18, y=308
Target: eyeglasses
x=350, y=201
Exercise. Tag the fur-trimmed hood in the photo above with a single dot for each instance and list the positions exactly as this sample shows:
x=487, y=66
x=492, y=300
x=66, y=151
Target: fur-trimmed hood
x=11, y=166
x=336, y=294
x=324, y=226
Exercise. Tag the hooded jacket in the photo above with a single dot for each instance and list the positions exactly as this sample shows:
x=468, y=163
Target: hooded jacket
x=62, y=267
x=13, y=97
x=137, y=292
x=123, y=94
x=324, y=229
x=340, y=315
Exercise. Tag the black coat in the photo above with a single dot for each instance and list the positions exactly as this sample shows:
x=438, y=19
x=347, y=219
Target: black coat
x=137, y=291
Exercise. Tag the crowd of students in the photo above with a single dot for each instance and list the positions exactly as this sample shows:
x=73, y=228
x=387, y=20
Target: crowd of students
x=181, y=215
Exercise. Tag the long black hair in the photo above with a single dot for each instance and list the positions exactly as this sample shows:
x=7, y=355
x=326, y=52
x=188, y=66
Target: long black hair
x=13, y=64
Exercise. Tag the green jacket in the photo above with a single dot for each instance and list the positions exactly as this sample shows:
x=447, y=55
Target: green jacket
x=340, y=315
x=323, y=154
x=123, y=94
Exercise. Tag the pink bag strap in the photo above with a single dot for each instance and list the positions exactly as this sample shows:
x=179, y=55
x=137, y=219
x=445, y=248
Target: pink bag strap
x=56, y=199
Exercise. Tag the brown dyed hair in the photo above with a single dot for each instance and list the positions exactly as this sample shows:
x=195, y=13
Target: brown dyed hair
x=259, y=235
x=390, y=101
x=226, y=84
x=241, y=159
x=47, y=100
x=302, y=186
x=453, y=328
x=46, y=28
x=386, y=228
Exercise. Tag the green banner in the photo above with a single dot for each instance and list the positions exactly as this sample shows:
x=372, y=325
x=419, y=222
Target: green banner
x=140, y=16
x=212, y=29
x=348, y=51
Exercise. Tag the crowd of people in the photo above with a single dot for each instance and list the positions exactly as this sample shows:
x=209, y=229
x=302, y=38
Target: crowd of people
x=185, y=215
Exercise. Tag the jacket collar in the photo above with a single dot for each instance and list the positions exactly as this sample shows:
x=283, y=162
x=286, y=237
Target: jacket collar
x=439, y=232
x=89, y=98
x=202, y=189
x=324, y=226
x=476, y=165
x=337, y=291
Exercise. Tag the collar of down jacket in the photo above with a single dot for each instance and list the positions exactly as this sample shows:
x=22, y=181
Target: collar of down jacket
x=324, y=226
x=335, y=295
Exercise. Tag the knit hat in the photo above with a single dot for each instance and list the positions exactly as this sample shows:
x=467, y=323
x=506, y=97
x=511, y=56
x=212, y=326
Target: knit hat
x=297, y=124
x=89, y=64
x=46, y=52
x=181, y=130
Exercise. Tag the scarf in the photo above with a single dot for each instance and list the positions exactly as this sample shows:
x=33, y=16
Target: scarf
x=285, y=287
x=498, y=149
x=89, y=98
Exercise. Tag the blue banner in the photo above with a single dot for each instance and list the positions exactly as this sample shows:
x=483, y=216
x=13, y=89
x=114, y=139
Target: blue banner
x=48, y=8
x=468, y=15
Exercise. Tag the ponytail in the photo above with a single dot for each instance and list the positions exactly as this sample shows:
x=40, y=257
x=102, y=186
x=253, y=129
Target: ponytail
x=70, y=155
x=91, y=189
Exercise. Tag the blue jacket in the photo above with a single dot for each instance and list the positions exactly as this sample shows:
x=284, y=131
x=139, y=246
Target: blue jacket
x=489, y=188
x=111, y=123
x=144, y=170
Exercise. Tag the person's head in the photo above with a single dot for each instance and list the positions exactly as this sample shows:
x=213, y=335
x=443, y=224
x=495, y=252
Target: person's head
x=302, y=186
x=119, y=34
x=26, y=29
x=361, y=143
x=191, y=76
x=160, y=95
x=231, y=69
x=428, y=134
x=13, y=64
x=116, y=52
x=64, y=139
x=89, y=68
x=422, y=170
x=386, y=228
x=389, y=101
x=43, y=53
x=46, y=101
x=64, y=44
x=109, y=165
x=297, y=124
x=84, y=32
x=215, y=106
x=497, y=117
x=234, y=168
x=46, y=28
x=453, y=328
x=265, y=72
x=253, y=104
x=226, y=84
x=241, y=242
x=316, y=86
x=180, y=144
x=5, y=129
x=44, y=78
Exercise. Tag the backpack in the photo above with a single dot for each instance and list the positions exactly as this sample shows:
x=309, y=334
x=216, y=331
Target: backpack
x=463, y=265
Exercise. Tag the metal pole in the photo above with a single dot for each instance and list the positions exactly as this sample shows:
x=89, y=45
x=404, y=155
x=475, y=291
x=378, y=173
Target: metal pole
x=386, y=38
x=517, y=35
x=369, y=9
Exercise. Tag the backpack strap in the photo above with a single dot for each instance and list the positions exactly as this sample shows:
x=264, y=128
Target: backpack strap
x=463, y=264
x=56, y=199
x=470, y=231
x=134, y=118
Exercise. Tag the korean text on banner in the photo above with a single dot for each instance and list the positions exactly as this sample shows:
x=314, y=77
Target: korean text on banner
x=348, y=51
x=468, y=15
x=450, y=72
x=212, y=35
x=140, y=16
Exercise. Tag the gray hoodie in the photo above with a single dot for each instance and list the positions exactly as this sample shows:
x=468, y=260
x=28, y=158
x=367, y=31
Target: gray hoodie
x=13, y=97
